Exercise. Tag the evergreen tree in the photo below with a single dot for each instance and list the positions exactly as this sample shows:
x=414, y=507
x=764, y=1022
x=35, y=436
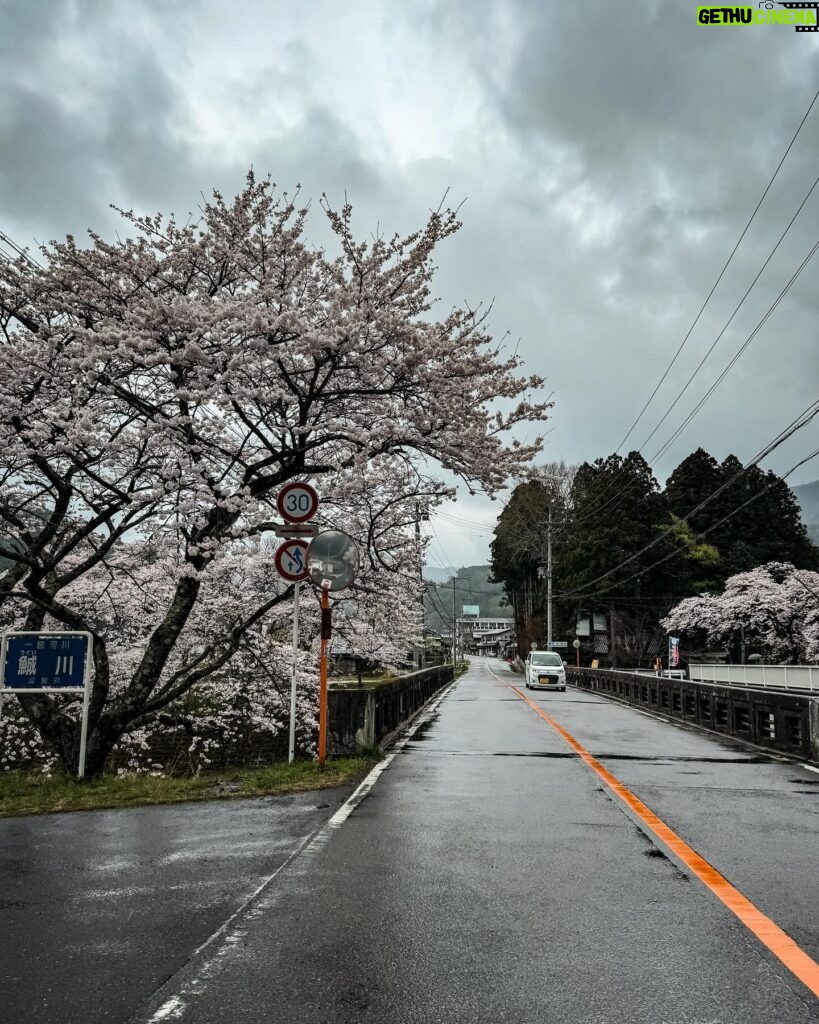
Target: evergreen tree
x=519, y=548
x=618, y=510
x=697, y=476
x=755, y=520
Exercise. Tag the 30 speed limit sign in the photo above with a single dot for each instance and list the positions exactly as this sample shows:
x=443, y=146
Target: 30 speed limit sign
x=291, y=560
x=297, y=502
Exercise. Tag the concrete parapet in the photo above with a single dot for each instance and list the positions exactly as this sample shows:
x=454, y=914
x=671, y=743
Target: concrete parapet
x=364, y=716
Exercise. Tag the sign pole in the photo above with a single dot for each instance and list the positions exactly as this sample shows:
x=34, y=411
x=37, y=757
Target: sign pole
x=84, y=725
x=325, y=607
x=332, y=561
x=2, y=671
x=294, y=668
x=86, y=698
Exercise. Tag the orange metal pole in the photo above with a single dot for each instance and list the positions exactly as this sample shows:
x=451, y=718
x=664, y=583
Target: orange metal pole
x=322, y=743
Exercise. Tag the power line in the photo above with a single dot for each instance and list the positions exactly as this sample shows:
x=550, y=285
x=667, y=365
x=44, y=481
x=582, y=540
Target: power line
x=721, y=273
x=442, y=614
x=464, y=524
x=725, y=266
x=739, y=351
x=738, y=307
x=663, y=448
x=801, y=421
x=713, y=526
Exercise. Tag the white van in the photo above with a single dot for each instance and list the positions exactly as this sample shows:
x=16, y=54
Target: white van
x=545, y=671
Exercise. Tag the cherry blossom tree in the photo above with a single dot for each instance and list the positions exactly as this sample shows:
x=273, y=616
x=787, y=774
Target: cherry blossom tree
x=776, y=605
x=158, y=391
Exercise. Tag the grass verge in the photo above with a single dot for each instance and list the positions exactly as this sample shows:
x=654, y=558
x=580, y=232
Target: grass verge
x=22, y=793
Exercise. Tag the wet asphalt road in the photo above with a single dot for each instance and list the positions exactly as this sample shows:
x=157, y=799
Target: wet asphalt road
x=99, y=908
x=488, y=877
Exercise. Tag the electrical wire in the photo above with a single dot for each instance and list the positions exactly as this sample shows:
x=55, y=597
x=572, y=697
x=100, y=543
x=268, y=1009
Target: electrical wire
x=799, y=423
x=713, y=526
x=721, y=273
x=592, y=512
x=738, y=353
x=725, y=266
x=737, y=308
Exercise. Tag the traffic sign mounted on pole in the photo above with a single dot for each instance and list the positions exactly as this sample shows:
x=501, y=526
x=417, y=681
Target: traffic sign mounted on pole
x=296, y=529
x=297, y=502
x=291, y=560
x=37, y=662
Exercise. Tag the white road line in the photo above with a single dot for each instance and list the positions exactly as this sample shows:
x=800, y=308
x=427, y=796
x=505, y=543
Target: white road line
x=811, y=768
x=349, y=805
x=174, y=1007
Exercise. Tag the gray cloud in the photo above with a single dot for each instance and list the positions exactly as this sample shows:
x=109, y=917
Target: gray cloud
x=609, y=156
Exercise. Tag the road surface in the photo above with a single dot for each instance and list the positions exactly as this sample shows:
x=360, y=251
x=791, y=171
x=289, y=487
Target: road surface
x=490, y=875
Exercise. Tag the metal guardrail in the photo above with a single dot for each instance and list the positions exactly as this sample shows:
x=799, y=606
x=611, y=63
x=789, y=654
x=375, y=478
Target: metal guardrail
x=785, y=722
x=780, y=677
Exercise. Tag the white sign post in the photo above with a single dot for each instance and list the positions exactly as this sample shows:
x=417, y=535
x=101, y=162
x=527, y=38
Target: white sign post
x=297, y=503
x=49, y=663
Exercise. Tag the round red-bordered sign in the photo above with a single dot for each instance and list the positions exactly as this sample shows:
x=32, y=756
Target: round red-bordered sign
x=291, y=561
x=297, y=502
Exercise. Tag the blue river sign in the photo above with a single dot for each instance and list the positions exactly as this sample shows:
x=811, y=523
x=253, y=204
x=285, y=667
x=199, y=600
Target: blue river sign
x=48, y=663
x=36, y=661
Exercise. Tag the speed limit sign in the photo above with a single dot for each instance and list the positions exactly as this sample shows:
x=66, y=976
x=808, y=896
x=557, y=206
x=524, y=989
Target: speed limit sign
x=291, y=560
x=297, y=502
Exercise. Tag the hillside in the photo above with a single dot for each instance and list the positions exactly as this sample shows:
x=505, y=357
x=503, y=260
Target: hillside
x=471, y=586
x=808, y=497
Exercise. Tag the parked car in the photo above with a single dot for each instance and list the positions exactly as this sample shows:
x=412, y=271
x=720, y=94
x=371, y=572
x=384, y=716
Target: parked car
x=545, y=671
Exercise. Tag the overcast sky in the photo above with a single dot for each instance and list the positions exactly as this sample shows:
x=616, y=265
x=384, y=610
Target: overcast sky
x=609, y=155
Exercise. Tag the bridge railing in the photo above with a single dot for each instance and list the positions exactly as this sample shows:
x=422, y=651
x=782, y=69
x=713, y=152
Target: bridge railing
x=782, y=677
x=786, y=722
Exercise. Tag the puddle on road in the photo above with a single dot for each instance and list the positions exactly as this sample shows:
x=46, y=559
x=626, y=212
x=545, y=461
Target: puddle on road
x=688, y=759
x=421, y=732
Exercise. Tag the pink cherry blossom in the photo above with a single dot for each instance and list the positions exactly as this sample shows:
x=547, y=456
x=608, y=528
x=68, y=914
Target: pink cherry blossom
x=158, y=391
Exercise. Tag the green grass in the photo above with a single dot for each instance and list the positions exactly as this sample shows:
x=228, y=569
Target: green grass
x=22, y=793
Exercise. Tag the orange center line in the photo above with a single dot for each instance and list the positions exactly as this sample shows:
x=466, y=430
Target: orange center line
x=767, y=931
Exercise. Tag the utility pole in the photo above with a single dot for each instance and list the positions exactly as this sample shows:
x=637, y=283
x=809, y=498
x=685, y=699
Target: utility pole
x=612, y=635
x=549, y=582
x=419, y=653
x=454, y=628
